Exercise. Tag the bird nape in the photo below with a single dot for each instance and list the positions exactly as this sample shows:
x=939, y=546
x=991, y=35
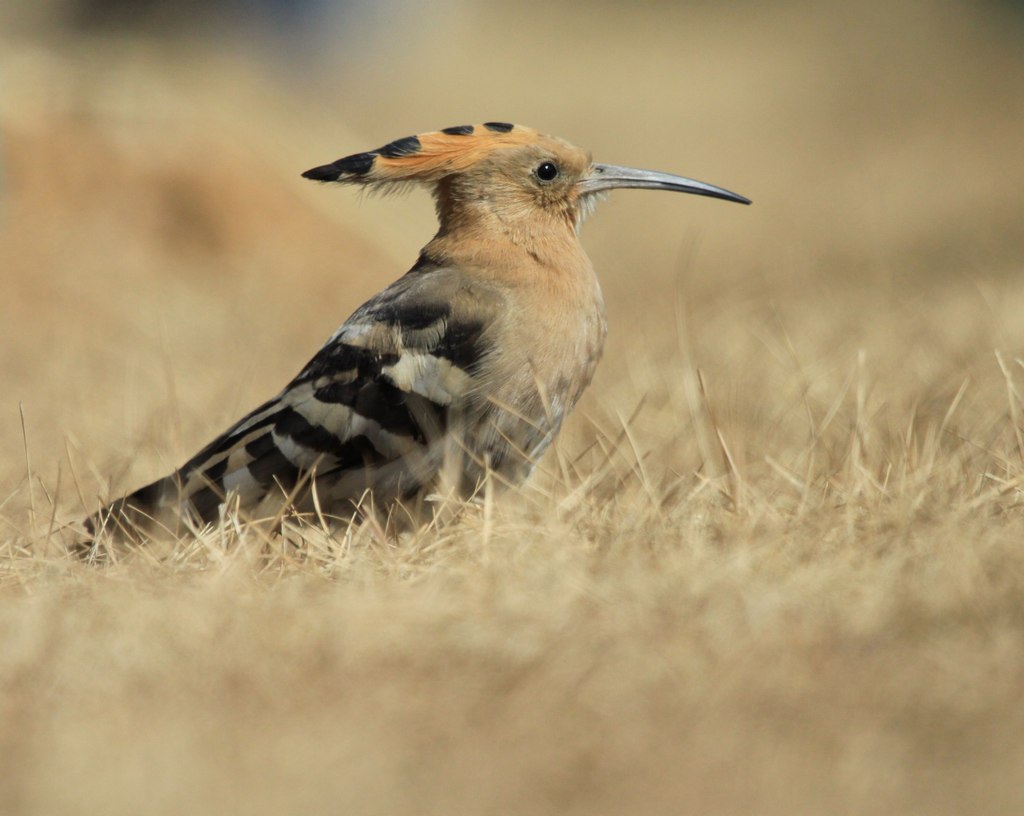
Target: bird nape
x=464, y=367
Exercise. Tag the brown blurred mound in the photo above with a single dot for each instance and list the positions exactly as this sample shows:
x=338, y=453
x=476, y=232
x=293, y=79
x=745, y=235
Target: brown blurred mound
x=189, y=200
x=788, y=582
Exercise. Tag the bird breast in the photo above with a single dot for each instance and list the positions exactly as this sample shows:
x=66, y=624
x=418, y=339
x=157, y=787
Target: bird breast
x=545, y=349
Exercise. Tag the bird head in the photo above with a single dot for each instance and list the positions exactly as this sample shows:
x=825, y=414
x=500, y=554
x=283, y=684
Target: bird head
x=508, y=172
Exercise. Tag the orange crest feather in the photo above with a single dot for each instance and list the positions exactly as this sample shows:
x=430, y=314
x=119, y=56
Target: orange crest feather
x=427, y=157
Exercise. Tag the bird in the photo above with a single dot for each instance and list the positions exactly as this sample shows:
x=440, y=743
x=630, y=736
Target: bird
x=462, y=369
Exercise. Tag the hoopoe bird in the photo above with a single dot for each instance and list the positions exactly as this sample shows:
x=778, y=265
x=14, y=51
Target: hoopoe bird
x=465, y=366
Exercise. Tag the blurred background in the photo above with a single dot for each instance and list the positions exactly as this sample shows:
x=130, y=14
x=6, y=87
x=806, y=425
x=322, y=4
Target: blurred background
x=164, y=267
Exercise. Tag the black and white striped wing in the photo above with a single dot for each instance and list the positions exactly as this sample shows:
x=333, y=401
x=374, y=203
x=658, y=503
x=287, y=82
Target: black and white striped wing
x=367, y=411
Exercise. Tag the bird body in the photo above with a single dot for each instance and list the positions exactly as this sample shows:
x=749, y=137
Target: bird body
x=466, y=365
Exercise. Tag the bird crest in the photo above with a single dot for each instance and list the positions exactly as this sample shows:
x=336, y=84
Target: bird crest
x=427, y=157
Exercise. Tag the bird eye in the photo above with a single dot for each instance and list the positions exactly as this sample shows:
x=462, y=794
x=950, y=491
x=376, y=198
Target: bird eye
x=548, y=171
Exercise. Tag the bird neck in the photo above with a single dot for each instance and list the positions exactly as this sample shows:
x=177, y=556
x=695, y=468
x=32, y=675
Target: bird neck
x=509, y=254
x=490, y=216
x=492, y=240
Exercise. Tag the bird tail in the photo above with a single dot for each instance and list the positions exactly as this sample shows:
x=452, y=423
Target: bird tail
x=134, y=515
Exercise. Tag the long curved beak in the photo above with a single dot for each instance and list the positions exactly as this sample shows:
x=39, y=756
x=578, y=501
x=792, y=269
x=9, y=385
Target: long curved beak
x=609, y=177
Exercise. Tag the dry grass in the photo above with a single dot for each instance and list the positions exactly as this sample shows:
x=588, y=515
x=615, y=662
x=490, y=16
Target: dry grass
x=774, y=566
